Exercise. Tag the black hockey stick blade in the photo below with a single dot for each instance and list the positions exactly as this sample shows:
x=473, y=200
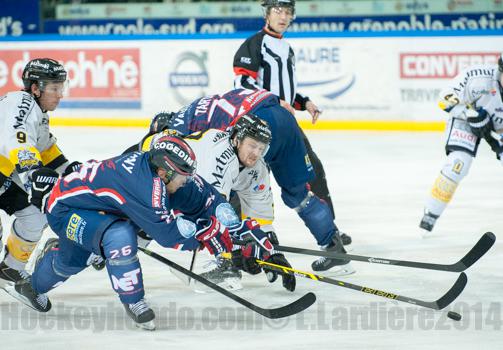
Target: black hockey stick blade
x=439, y=304
x=479, y=249
x=297, y=306
x=483, y=245
x=452, y=293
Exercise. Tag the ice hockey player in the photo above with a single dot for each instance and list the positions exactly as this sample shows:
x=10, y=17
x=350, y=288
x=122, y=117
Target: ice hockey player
x=266, y=61
x=28, y=151
x=99, y=209
x=234, y=162
x=474, y=103
x=286, y=157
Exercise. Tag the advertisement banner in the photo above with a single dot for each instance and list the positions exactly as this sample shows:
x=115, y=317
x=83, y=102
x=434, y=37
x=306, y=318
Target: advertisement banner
x=365, y=79
x=98, y=78
x=234, y=9
x=19, y=17
x=360, y=24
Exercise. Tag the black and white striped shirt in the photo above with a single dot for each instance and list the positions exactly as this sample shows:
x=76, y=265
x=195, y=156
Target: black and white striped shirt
x=265, y=60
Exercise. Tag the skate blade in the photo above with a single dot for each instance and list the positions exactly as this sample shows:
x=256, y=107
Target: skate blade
x=425, y=234
x=338, y=271
x=5, y=283
x=148, y=326
x=9, y=289
x=231, y=284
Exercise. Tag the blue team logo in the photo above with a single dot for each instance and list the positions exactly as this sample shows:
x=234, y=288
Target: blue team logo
x=186, y=228
x=226, y=215
x=189, y=78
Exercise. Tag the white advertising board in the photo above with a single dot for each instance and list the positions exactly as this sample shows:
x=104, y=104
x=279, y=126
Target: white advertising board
x=371, y=79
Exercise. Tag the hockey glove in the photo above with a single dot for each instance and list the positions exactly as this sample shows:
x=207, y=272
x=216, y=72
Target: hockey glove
x=214, y=236
x=72, y=167
x=480, y=122
x=160, y=122
x=42, y=182
x=249, y=231
x=289, y=281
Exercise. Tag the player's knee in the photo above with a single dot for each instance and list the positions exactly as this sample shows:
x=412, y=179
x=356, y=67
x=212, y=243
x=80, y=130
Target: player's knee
x=29, y=223
x=294, y=196
x=455, y=169
x=120, y=243
x=51, y=272
x=457, y=165
x=317, y=217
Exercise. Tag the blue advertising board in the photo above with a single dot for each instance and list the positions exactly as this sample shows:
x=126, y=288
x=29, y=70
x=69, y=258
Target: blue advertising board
x=19, y=17
x=370, y=24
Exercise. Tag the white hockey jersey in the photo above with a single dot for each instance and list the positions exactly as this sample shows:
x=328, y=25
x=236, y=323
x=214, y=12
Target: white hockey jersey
x=475, y=87
x=218, y=164
x=25, y=140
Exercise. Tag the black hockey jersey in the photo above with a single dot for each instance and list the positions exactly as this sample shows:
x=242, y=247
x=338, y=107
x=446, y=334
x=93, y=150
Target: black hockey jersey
x=266, y=60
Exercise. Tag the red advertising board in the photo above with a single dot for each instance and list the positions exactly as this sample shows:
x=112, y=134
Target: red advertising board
x=106, y=75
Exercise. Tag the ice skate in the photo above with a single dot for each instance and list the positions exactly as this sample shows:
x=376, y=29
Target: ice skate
x=346, y=239
x=141, y=314
x=22, y=289
x=337, y=267
x=427, y=223
x=223, y=274
x=8, y=276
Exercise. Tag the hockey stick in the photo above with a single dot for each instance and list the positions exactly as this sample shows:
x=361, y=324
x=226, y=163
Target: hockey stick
x=479, y=249
x=182, y=277
x=439, y=304
x=496, y=136
x=297, y=306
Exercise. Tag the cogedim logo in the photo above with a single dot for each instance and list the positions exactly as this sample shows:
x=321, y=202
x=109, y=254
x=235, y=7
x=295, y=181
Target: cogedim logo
x=441, y=65
x=97, y=77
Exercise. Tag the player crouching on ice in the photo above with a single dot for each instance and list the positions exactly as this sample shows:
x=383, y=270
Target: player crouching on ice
x=99, y=209
x=233, y=162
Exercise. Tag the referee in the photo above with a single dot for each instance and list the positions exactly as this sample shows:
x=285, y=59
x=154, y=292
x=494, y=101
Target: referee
x=265, y=60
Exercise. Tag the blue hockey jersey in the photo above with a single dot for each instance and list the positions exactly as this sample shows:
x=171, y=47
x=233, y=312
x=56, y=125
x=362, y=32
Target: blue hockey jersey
x=127, y=187
x=218, y=111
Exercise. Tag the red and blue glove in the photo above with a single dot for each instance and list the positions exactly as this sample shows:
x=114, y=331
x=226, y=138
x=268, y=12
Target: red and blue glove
x=214, y=236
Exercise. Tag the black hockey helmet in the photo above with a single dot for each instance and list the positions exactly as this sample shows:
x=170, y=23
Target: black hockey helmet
x=249, y=125
x=173, y=154
x=41, y=70
x=268, y=4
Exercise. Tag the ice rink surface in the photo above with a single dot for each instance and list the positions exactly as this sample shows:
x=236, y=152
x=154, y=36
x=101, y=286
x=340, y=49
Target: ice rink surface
x=378, y=182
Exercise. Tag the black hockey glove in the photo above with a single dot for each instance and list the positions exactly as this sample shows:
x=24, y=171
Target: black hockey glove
x=42, y=182
x=73, y=166
x=273, y=238
x=247, y=264
x=289, y=281
x=160, y=122
x=480, y=122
